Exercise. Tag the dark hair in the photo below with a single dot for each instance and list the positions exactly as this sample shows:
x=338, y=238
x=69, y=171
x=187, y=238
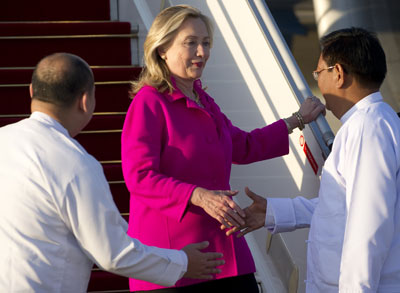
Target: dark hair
x=60, y=79
x=359, y=52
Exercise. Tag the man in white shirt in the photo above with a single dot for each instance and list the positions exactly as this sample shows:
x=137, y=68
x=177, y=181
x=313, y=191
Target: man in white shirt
x=354, y=238
x=57, y=215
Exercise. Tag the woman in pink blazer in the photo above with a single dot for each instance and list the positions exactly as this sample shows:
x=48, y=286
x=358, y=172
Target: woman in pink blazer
x=177, y=151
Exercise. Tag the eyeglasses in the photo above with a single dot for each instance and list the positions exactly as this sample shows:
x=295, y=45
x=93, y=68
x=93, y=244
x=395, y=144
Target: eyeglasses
x=316, y=73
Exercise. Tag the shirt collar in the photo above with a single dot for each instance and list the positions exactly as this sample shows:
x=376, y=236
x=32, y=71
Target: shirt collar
x=363, y=103
x=177, y=94
x=48, y=120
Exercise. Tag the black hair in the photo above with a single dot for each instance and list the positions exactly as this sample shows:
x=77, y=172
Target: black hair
x=359, y=52
x=60, y=79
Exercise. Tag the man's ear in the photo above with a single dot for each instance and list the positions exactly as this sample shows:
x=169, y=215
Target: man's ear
x=30, y=90
x=340, y=75
x=84, y=102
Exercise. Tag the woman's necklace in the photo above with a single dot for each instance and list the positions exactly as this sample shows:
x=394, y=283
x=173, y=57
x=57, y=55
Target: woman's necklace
x=189, y=92
x=192, y=95
x=197, y=98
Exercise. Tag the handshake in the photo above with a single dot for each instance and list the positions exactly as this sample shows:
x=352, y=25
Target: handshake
x=253, y=216
x=220, y=206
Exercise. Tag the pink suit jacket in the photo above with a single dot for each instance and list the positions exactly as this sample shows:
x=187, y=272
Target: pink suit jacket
x=170, y=146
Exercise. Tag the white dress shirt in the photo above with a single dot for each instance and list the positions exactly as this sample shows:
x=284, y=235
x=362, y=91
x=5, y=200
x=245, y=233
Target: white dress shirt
x=57, y=216
x=354, y=238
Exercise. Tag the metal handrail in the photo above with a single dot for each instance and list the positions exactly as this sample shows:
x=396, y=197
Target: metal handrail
x=320, y=127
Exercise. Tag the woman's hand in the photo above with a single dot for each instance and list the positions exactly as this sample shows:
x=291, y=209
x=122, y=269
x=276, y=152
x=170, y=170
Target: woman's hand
x=309, y=111
x=255, y=215
x=219, y=205
x=311, y=108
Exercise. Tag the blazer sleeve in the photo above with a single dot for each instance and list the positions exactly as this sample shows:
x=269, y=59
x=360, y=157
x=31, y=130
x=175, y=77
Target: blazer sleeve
x=141, y=146
x=260, y=144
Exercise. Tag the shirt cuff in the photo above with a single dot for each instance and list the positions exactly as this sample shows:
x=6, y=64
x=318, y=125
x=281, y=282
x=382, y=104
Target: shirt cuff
x=183, y=262
x=176, y=268
x=269, y=217
x=282, y=212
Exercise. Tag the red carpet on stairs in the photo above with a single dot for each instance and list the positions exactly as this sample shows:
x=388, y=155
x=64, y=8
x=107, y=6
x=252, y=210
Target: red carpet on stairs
x=30, y=30
x=112, y=86
x=53, y=10
x=99, y=43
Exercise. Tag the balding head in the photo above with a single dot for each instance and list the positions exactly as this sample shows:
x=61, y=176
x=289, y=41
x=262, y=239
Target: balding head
x=60, y=79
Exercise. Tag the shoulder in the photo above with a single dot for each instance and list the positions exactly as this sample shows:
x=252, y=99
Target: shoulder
x=148, y=94
x=147, y=100
x=147, y=106
x=17, y=126
x=378, y=122
x=85, y=167
x=378, y=115
x=46, y=149
x=79, y=160
x=79, y=165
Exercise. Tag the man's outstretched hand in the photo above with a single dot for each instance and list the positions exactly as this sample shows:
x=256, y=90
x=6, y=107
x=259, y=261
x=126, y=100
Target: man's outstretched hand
x=201, y=265
x=255, y=215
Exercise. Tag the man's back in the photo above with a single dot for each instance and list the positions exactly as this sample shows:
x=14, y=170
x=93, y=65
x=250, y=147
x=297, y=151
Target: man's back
x=40, y=164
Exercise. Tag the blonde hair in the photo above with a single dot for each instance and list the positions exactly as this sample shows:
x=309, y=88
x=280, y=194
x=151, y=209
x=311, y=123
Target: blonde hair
x=161, y=34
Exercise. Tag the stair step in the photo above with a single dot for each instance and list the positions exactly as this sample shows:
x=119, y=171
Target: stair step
x=110, y=97
x=9, y=120
x=113, y=171
x=23, y=75
x=63, y=28
x=101, y=50
x=99, y=43
x=106, y=121
x=12, y=10
x=104, y=145
x=116, y=73
x=121, y=197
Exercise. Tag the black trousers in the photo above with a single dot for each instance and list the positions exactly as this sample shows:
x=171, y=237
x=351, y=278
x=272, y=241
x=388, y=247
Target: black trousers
x=239, y=284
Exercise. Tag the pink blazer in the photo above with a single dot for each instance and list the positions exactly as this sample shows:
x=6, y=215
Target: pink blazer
x=170, y=146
